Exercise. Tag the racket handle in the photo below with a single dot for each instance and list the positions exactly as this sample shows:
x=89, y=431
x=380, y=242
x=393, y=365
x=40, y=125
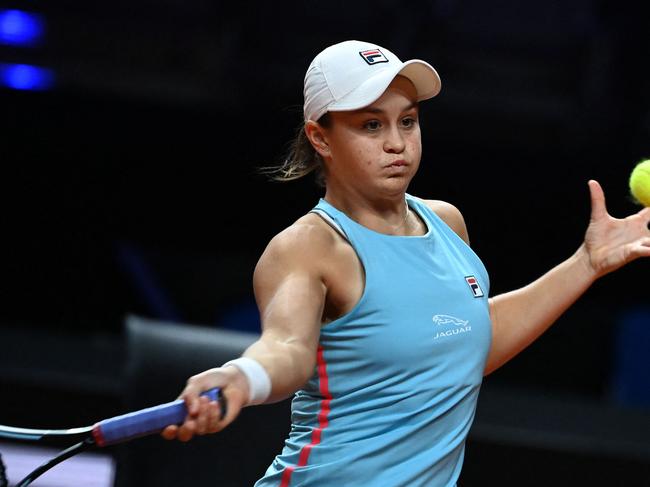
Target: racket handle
x=147, y=421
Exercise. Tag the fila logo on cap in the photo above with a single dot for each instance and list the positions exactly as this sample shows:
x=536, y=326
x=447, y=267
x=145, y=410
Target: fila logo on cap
x=474, y=286
x=373, y=56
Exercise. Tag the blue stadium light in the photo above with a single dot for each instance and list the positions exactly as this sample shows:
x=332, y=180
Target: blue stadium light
x=18, y=28
x=26, y=77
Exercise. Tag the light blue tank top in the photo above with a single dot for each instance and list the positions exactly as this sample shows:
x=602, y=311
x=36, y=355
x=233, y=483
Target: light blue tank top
x=394, y=392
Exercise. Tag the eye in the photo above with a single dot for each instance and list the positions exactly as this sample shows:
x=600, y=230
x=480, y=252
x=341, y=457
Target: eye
x=372, y=125
x=408, y=122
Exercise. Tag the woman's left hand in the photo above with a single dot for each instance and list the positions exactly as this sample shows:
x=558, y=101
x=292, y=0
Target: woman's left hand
x=612, y=242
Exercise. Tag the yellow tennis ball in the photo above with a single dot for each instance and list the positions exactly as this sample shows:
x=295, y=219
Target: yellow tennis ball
x=640, y=182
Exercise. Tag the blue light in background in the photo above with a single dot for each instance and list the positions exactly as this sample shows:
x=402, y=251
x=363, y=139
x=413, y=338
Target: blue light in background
x=18, y=28
x=26, y=77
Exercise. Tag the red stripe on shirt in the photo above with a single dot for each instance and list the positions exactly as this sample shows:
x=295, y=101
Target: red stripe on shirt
x=322, y=419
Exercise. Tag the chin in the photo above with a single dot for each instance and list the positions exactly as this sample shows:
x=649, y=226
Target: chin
x=396, y=185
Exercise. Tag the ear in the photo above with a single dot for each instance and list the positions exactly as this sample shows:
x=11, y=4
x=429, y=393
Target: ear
x=318, y=138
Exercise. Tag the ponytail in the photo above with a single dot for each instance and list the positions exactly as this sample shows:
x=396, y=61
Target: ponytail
x=301, y=159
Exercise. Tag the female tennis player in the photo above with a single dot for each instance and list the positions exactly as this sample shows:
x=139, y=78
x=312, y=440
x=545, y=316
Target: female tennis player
x=375, y=310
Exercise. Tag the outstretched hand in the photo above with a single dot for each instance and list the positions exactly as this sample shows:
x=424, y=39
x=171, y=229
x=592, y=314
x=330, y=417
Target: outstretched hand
x=612, y=242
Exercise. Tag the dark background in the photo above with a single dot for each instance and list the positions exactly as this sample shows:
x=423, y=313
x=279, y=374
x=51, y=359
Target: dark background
x=131, y=186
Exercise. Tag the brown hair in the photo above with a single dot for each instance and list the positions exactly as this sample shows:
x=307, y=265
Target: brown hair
x=301, y=159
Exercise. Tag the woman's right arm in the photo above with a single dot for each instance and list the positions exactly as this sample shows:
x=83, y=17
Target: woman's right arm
x=290, y=294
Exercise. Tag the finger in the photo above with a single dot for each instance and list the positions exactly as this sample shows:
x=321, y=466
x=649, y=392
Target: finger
x=203, y=416
x=192, y=394
x=169, y=433
x=214, y=417
x=191, y=397
x=645, y=214
x=196, y=385
x=640, y=250
x=186, y=430
x=598, y=207
x=644, y=246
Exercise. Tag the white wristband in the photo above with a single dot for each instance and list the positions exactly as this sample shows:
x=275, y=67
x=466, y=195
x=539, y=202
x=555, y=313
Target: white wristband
x=259, y=383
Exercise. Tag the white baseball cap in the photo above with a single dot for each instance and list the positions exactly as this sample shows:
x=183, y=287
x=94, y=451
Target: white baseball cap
x=353, y=74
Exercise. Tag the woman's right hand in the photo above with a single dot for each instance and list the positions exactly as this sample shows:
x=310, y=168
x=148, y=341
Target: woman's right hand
x=205, y=416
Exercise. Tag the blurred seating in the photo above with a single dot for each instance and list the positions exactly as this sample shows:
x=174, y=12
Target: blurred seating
x=160, y=358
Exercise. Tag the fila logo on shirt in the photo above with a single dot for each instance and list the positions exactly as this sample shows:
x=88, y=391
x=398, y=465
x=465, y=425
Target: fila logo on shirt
x=473, y=284
x=373, y=56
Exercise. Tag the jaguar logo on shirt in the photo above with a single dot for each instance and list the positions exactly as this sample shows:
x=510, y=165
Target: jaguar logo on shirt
x=452, y=326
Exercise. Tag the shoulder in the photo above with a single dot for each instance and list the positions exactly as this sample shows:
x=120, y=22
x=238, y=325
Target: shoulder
x=451, y=215
x=302, y=245
x=309, y=233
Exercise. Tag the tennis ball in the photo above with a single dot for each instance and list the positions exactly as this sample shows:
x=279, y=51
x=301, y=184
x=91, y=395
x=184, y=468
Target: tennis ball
x=640, y=182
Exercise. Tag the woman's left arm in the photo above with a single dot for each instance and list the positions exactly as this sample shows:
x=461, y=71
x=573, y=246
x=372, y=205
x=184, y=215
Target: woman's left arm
x=519, y=317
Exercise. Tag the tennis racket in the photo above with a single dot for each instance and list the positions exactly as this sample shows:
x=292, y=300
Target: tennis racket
x=111, y=431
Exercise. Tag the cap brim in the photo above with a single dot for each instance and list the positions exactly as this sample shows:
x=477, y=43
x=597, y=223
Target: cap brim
x=423, y=76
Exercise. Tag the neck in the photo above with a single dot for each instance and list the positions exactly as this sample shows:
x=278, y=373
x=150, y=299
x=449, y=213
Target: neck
x=390, y=218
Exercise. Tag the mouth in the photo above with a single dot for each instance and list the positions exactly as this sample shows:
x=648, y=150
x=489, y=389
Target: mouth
x=398, y=163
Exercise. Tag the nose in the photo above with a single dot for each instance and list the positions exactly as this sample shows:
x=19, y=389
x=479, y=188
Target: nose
x=394, y=141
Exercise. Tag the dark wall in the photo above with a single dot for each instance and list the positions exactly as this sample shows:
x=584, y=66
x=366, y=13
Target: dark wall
x=132, y=185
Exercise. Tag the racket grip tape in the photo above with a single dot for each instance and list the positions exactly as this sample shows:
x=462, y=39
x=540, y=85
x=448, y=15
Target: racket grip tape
x=147, y=421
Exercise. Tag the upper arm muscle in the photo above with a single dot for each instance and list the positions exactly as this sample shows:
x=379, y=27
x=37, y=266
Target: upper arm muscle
x=289, y=288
